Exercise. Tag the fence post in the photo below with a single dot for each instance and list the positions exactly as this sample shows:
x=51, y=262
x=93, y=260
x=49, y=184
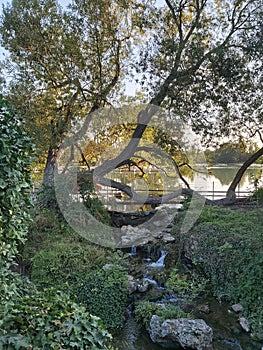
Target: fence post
x=213, y=190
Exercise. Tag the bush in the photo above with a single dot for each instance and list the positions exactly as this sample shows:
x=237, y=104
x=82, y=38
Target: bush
x=57, y=255
x=64, y=264
x=90, y=200
x=49, y=320
x=104, y=293
x=146, y=309
x=229, y=245
x=257, y=195
x=190, y=284
x=15, y=183
x=11, y=284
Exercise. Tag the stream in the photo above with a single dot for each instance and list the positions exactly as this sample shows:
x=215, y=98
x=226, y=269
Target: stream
x=227, y=333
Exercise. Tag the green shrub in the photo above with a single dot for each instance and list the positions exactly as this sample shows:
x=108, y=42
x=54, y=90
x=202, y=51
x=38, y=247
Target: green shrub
x=146, y=309
x=64, y=264
x=47, y=227
x=257, y=195
x=46, y=197
x=229, y=245
x=15, y=183
x=90, y=200
x=57, y=255
x=248, y=291
x=49, y=320
x=104, y=293
x=11, y=284
x=172, y=312
x=190, y=284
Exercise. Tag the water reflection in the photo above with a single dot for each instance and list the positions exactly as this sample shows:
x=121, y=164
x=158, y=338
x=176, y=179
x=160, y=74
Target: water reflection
x=212, y=183
x=226, y=174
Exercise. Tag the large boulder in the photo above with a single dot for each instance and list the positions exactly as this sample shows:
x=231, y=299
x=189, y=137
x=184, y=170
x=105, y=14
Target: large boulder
x=135, y=236
x=182, y=332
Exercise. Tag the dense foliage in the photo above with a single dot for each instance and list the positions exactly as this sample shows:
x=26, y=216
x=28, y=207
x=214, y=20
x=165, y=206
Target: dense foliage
x=90, y=199
x=29, y=318
x=229, y=153
x=257, y=195
x=15, y=152
x=229, y=249
x=186, y=285
x=146, y=309
x=49, y=320
x=53, y=251
x=201, y=60
x=105, y=294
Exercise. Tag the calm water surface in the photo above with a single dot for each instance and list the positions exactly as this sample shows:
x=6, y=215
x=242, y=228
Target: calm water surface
x=211, y=182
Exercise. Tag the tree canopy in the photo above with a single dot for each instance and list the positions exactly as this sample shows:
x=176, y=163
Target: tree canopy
x=198, y=59
x=65, y=63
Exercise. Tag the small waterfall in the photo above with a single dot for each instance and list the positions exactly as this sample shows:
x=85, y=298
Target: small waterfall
x=151, y=281
x=160, y=261
x=133, y=251
x=148, y=258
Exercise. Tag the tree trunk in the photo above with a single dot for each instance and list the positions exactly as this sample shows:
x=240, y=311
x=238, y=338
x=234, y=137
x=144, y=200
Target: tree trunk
x=231, y=192
x=50, y=167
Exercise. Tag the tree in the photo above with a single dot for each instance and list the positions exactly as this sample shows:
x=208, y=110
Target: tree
x=224, y=95
x=228, y=153
x=195, y=61
x=198, y=63
x=66, y=63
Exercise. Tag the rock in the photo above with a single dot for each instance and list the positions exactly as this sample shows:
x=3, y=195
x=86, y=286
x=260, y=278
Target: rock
x=135, y=236
x=144, y=286
x=237, y=308
x=204, y=308
x=187, y=333
x=158, y=223
x=157, y=235
x=132, y=284
x=167, y=237
x=244, y=324
x=190, y=248
x=126, y=228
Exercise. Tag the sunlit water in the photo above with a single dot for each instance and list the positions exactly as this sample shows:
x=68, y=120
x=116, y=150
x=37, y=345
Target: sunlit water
x=211, y=182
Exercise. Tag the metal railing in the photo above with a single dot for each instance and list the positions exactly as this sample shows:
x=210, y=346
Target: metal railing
x=210, y=194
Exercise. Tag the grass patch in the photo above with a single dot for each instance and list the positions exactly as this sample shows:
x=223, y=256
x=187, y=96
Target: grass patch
x=229, y=249
x=58, y=256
